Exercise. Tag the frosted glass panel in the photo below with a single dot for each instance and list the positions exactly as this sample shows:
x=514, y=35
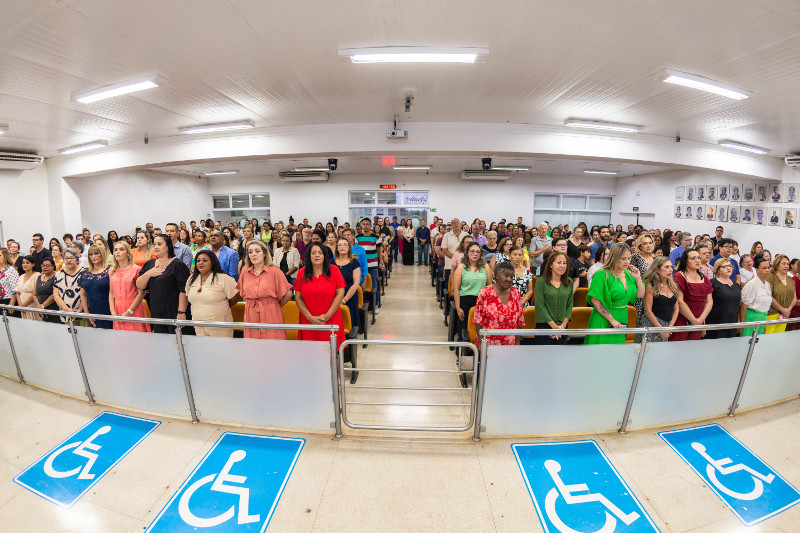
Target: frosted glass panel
x=46, y=355
x=284, y=384
x=573, y=202
x=556, y=389
x=137, y=370
x=600, y=203
x=7, y=367
x=362, y=197
x=546, y=201
x=773, y=371
x=688, y=380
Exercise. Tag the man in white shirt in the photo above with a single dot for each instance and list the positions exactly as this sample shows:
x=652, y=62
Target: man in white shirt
x=450, y=243
x=539, y=245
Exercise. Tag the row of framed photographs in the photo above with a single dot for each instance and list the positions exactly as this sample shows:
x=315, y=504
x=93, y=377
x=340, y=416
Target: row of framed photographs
x=738, y=214
x=761, y=192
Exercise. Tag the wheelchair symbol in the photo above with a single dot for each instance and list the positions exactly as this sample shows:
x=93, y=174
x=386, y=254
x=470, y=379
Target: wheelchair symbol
x=720, y=465
x=568, y=492
x=83, y=449
x=218, y=486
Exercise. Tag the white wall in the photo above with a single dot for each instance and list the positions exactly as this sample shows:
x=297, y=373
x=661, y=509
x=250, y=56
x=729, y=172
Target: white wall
x=24, y=208
x=123, y=200
x=655, y=193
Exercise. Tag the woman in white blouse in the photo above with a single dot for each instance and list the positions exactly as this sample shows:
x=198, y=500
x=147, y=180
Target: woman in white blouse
x=756, y=296
x=287, y=258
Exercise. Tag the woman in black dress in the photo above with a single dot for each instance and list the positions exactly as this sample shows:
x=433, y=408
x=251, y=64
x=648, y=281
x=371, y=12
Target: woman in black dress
x=408, y=243
x=351, y=272
x=165, y=279
x=726, y=295
x=660, y=299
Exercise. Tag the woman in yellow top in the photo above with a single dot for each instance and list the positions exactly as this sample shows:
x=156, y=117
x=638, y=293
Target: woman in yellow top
x=783, y=293
x=266, y=234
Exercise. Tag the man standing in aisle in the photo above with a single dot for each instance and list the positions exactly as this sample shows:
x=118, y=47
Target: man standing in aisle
x=369, y=241
x=450, y=243
x=395, y=245
x=423, y=235
x=182, y=252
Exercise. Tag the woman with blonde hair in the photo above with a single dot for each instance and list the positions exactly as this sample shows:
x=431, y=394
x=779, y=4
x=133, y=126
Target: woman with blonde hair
x=727, y=296
x=783, y=293
x=95, y=286
x=124, y=298
x=264, y=289
x=641, y=258
x=660, y=298
x=143, y=252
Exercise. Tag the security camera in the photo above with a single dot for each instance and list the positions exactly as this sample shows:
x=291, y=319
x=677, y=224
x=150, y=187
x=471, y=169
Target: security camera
x=333, y=163
x=486, y=163
x=409, y=99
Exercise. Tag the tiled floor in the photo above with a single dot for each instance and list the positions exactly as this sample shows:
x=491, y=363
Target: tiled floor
x=377, y=480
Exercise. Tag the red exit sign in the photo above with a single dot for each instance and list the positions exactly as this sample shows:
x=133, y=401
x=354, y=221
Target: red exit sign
x=388, y=186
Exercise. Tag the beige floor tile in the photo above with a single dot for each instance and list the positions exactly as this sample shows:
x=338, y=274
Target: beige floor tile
x=17, y=399
x=31, y=514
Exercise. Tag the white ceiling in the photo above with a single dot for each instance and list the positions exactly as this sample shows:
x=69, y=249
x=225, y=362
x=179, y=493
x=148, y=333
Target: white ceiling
x=276, y=63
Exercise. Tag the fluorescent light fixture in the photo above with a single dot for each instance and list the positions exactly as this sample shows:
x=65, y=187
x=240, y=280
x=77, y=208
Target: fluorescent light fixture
x=413, y=54
x=609, y=172
x=83, y=147
x=220, y=172
x=3, y=129
x=703, y=84
x=741, y=146
x=512, y=169
x=310, y=169
x=222, y=126
x=485, y=175
x=117, y=89
x=599, y=125
x=412, y=167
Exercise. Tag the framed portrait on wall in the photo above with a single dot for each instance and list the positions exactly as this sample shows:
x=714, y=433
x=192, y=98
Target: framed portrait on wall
x=789, y=217
x=733, y=214
x=792, y=195
x=723, y=192
x=776, y=193
x=748, y=192
x=689, y=212
x=760, y=216
x=774, y=216
x=700, y=193
x=762, y=190
x=722, y=213
x=699, y=212
x=678, y=211
x=679, y=193
x=711, y=212
x=735, y=192
x=712, y=193
x=747, y=214
x=690, y=196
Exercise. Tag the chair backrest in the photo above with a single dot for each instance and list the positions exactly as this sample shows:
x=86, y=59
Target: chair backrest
x=360, y=297
x=238, y=312
x=368, y=284
x=529, y=314
x=146, y=309
x=631, y=323
x=473, y=333
x=346, y=320
x=580, y=318
x=579, y=299
x=450, y=284
x=291, y=315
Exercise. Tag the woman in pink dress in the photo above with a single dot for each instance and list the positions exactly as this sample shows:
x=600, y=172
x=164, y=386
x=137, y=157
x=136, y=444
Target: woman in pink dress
x=264, y=289
x=124, y=298
x=319, y=290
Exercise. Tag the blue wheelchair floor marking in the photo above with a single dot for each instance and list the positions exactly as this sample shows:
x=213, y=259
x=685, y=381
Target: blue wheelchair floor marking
x=236, y=486
x=741, y=479
x=576, y=489
x=66, y=472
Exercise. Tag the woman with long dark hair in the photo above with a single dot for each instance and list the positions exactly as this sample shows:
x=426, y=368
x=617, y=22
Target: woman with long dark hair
x=694, y=298
x=211, y=293
x=165, y=279
x=350, y=269
x=319, y=290
x=553, y=299
x=408, y=243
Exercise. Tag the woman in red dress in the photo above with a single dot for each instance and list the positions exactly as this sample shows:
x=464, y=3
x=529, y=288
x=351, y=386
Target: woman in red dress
x=499, y=307
x=694, y=298
x=319, y=290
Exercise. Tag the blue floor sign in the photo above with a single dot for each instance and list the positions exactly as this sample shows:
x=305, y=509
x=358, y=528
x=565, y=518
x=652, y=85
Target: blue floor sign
x=236, y=486
x=70, y=469
x=575, y=489
x=748, y=485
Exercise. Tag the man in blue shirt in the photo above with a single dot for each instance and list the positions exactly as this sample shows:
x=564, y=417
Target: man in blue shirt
x=675, y=255
x=228, y=259
x=423, y=235
x=182, y=252
x=395, y=245
x=725, y=251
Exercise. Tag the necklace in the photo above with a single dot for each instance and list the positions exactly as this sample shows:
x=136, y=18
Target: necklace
x=201, y=283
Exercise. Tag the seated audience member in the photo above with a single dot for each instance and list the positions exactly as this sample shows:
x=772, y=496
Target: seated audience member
x=26, y=287
x=165, y=279
x=469, y=278
x=522, y=276
x=44, y=290
x=499, y=306
x=783, y=293
x=211, y=293
x=579, y=268
x=319, y=290
x=727, y=296
x=350, y=268
x=8, y=277
x=124, y=299
x=694, y=298
x=660, y=299
x=615, y=286
x=553, y=299
x=67, y=291
x=265, y=290
x=756, y=296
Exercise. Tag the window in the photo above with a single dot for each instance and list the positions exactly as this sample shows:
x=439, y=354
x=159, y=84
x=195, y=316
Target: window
x=234, y=207
x=572, y=208
x=403, y=204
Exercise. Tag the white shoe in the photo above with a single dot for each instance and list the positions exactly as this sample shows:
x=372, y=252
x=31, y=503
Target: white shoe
x=378, y=311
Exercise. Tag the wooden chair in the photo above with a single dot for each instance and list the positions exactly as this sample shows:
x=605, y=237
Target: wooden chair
x=529, y=314
x=349, y=334
x=291, y=315
x=362, y=314
x=238, y=316
x=373, y=297
x=579, y=298
x=580, y=320
x=146, y=309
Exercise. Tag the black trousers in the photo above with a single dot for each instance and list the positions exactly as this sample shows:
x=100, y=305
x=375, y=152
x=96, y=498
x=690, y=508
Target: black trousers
x=544, y=340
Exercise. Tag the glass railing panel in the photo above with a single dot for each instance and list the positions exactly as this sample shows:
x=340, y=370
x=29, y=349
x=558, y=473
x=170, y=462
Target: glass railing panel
x=7, y=367
x=273, y=383
x=136, y=370
x=556, y=389
x=774, y=372
x=687, y=380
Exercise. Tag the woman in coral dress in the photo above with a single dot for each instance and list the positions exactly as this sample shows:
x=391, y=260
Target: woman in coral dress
x=124, y=299
x=264, y=289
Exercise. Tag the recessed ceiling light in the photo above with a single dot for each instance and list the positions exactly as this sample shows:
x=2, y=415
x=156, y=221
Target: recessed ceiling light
x=3, y=129
x=741, y=146
x=83, y=147
x=703, y=84
x=412, y=167
x=609, y=172
x=512, y=169
x=310, y=169
x=222, y=126
x=117, y=89
x=413, y=54
x=599, y=125
x=220, y=172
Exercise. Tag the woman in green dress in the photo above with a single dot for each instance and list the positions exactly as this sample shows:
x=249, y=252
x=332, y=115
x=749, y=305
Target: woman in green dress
x=614, y=287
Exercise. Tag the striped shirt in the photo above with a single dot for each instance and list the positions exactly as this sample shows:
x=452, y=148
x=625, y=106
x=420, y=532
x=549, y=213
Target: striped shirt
x=370, y=245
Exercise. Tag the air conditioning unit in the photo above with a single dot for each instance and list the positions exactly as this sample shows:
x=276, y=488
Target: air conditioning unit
x=303, y=176
x=485, y=175
x=12, y=161
x=793, y=161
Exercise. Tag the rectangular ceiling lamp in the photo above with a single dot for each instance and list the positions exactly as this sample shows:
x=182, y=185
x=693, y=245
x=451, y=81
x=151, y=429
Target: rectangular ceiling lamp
x=412, y=167
x=609, y=172
x=310, y=169
x=220, y=172
x=485, y=175
x=512, y=169
x=599, y=125
x=703, y=84
x=413, y=54
x=3, y=129
x=222, y=126
x=117, y=89
x=83, y=147
x=740, y=146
